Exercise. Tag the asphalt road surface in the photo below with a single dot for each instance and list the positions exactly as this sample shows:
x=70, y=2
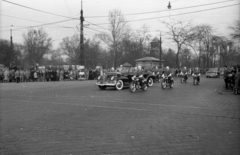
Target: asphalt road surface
x=76, y=118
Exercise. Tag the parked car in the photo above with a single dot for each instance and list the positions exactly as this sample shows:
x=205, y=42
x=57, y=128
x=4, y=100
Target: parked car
x=213, y=72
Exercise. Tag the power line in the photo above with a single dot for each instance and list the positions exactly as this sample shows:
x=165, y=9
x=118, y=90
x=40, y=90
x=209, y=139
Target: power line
x=127, y=21
x=162, y=10
x=175, y=14
x=94, y=29
x=69, y=11
x=43, y=24
x=37, y=9
x=27, y=19
x=97, y=25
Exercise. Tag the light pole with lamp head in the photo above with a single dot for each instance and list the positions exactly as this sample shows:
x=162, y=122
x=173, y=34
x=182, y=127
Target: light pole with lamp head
x=11, y=52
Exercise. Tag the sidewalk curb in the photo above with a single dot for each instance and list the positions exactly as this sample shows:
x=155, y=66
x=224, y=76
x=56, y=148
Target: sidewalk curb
x=223, y=91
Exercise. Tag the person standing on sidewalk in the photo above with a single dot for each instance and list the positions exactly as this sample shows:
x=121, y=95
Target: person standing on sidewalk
x=225, y=76
x=17, y=76
x=35, y=76
x=237, y=81
x=6, y=75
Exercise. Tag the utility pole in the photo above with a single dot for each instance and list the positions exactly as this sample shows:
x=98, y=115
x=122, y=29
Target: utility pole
x=160, y=52
x=81, y=38
x=11, y=52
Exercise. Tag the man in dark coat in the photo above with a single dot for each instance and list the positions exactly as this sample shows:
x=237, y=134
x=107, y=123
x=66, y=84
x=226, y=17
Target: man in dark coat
x=225, y=76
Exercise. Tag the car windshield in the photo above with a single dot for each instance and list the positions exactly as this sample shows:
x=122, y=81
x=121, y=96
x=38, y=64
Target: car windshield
x=125, y=69
x=132, y=69
x=211, y=72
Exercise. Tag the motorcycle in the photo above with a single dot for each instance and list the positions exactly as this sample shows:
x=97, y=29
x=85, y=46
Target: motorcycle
x=158, y=77
x=167, y=82
x=196, y=79
x=137, y=83
x=183, y=78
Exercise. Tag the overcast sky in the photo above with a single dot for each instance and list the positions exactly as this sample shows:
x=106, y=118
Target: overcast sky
x=220, y=15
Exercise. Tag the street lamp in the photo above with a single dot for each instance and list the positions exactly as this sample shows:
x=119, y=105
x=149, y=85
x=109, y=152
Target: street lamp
x=169, y=5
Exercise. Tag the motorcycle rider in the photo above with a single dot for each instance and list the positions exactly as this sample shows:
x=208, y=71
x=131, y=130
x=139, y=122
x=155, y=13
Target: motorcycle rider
x=184, y=72
x=196, y=73
x=139, y=74
x=168, y=74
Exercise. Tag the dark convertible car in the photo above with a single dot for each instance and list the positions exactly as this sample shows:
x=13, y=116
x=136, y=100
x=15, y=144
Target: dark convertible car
x=122, y=79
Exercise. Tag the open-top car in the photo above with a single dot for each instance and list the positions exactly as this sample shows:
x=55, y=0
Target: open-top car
x=121, y=79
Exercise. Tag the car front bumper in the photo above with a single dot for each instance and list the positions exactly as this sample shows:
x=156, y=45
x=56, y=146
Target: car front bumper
x=210, y=75
x=106, y=84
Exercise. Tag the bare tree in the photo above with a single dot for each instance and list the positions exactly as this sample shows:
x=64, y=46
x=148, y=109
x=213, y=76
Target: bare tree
x=180, y=32
x=70, y=47
x=37, y=44
x=118, y=29
x=236, y=31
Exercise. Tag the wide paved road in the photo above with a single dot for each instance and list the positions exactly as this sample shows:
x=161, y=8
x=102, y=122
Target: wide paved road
x=76, y=118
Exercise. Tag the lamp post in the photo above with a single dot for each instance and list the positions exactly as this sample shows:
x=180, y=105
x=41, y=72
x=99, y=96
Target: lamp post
x=11, y=52
x=34, y=51
x=81, y=37
x=160, y=51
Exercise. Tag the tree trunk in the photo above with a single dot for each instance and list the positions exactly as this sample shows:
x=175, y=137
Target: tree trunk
x=177, y=56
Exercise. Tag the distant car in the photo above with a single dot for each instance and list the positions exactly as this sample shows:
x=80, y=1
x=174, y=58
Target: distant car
x=82, y=75
x=213, y=72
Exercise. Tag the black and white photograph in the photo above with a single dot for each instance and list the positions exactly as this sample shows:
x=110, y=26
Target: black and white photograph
x=119, y=77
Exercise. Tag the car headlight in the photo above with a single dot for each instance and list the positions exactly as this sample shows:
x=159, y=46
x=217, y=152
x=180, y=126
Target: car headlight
x=133, y=77
x=112, y=78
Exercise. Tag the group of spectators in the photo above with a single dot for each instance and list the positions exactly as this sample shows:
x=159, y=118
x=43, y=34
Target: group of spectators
x=41, y=75
x=231, y=78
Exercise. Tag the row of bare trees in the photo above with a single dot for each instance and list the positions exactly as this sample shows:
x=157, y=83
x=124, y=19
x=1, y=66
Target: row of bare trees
x=196, y=45
x=199, y=43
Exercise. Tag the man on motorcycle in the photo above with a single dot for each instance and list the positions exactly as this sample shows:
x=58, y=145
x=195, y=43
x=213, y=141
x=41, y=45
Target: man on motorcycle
x=196, y=73
x=139, y=73
x=184, y=72
x=168, y=74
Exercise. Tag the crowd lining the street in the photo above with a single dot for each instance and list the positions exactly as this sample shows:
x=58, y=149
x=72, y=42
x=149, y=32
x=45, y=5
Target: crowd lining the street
x=231, y=75
x=41, y=75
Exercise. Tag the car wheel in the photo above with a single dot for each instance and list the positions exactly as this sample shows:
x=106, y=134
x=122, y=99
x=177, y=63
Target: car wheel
x=150, y=82
x=119, y=85
x=102, y=87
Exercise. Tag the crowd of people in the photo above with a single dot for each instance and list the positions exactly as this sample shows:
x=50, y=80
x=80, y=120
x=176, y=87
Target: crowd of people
x=231, y=75
x=41, y=75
